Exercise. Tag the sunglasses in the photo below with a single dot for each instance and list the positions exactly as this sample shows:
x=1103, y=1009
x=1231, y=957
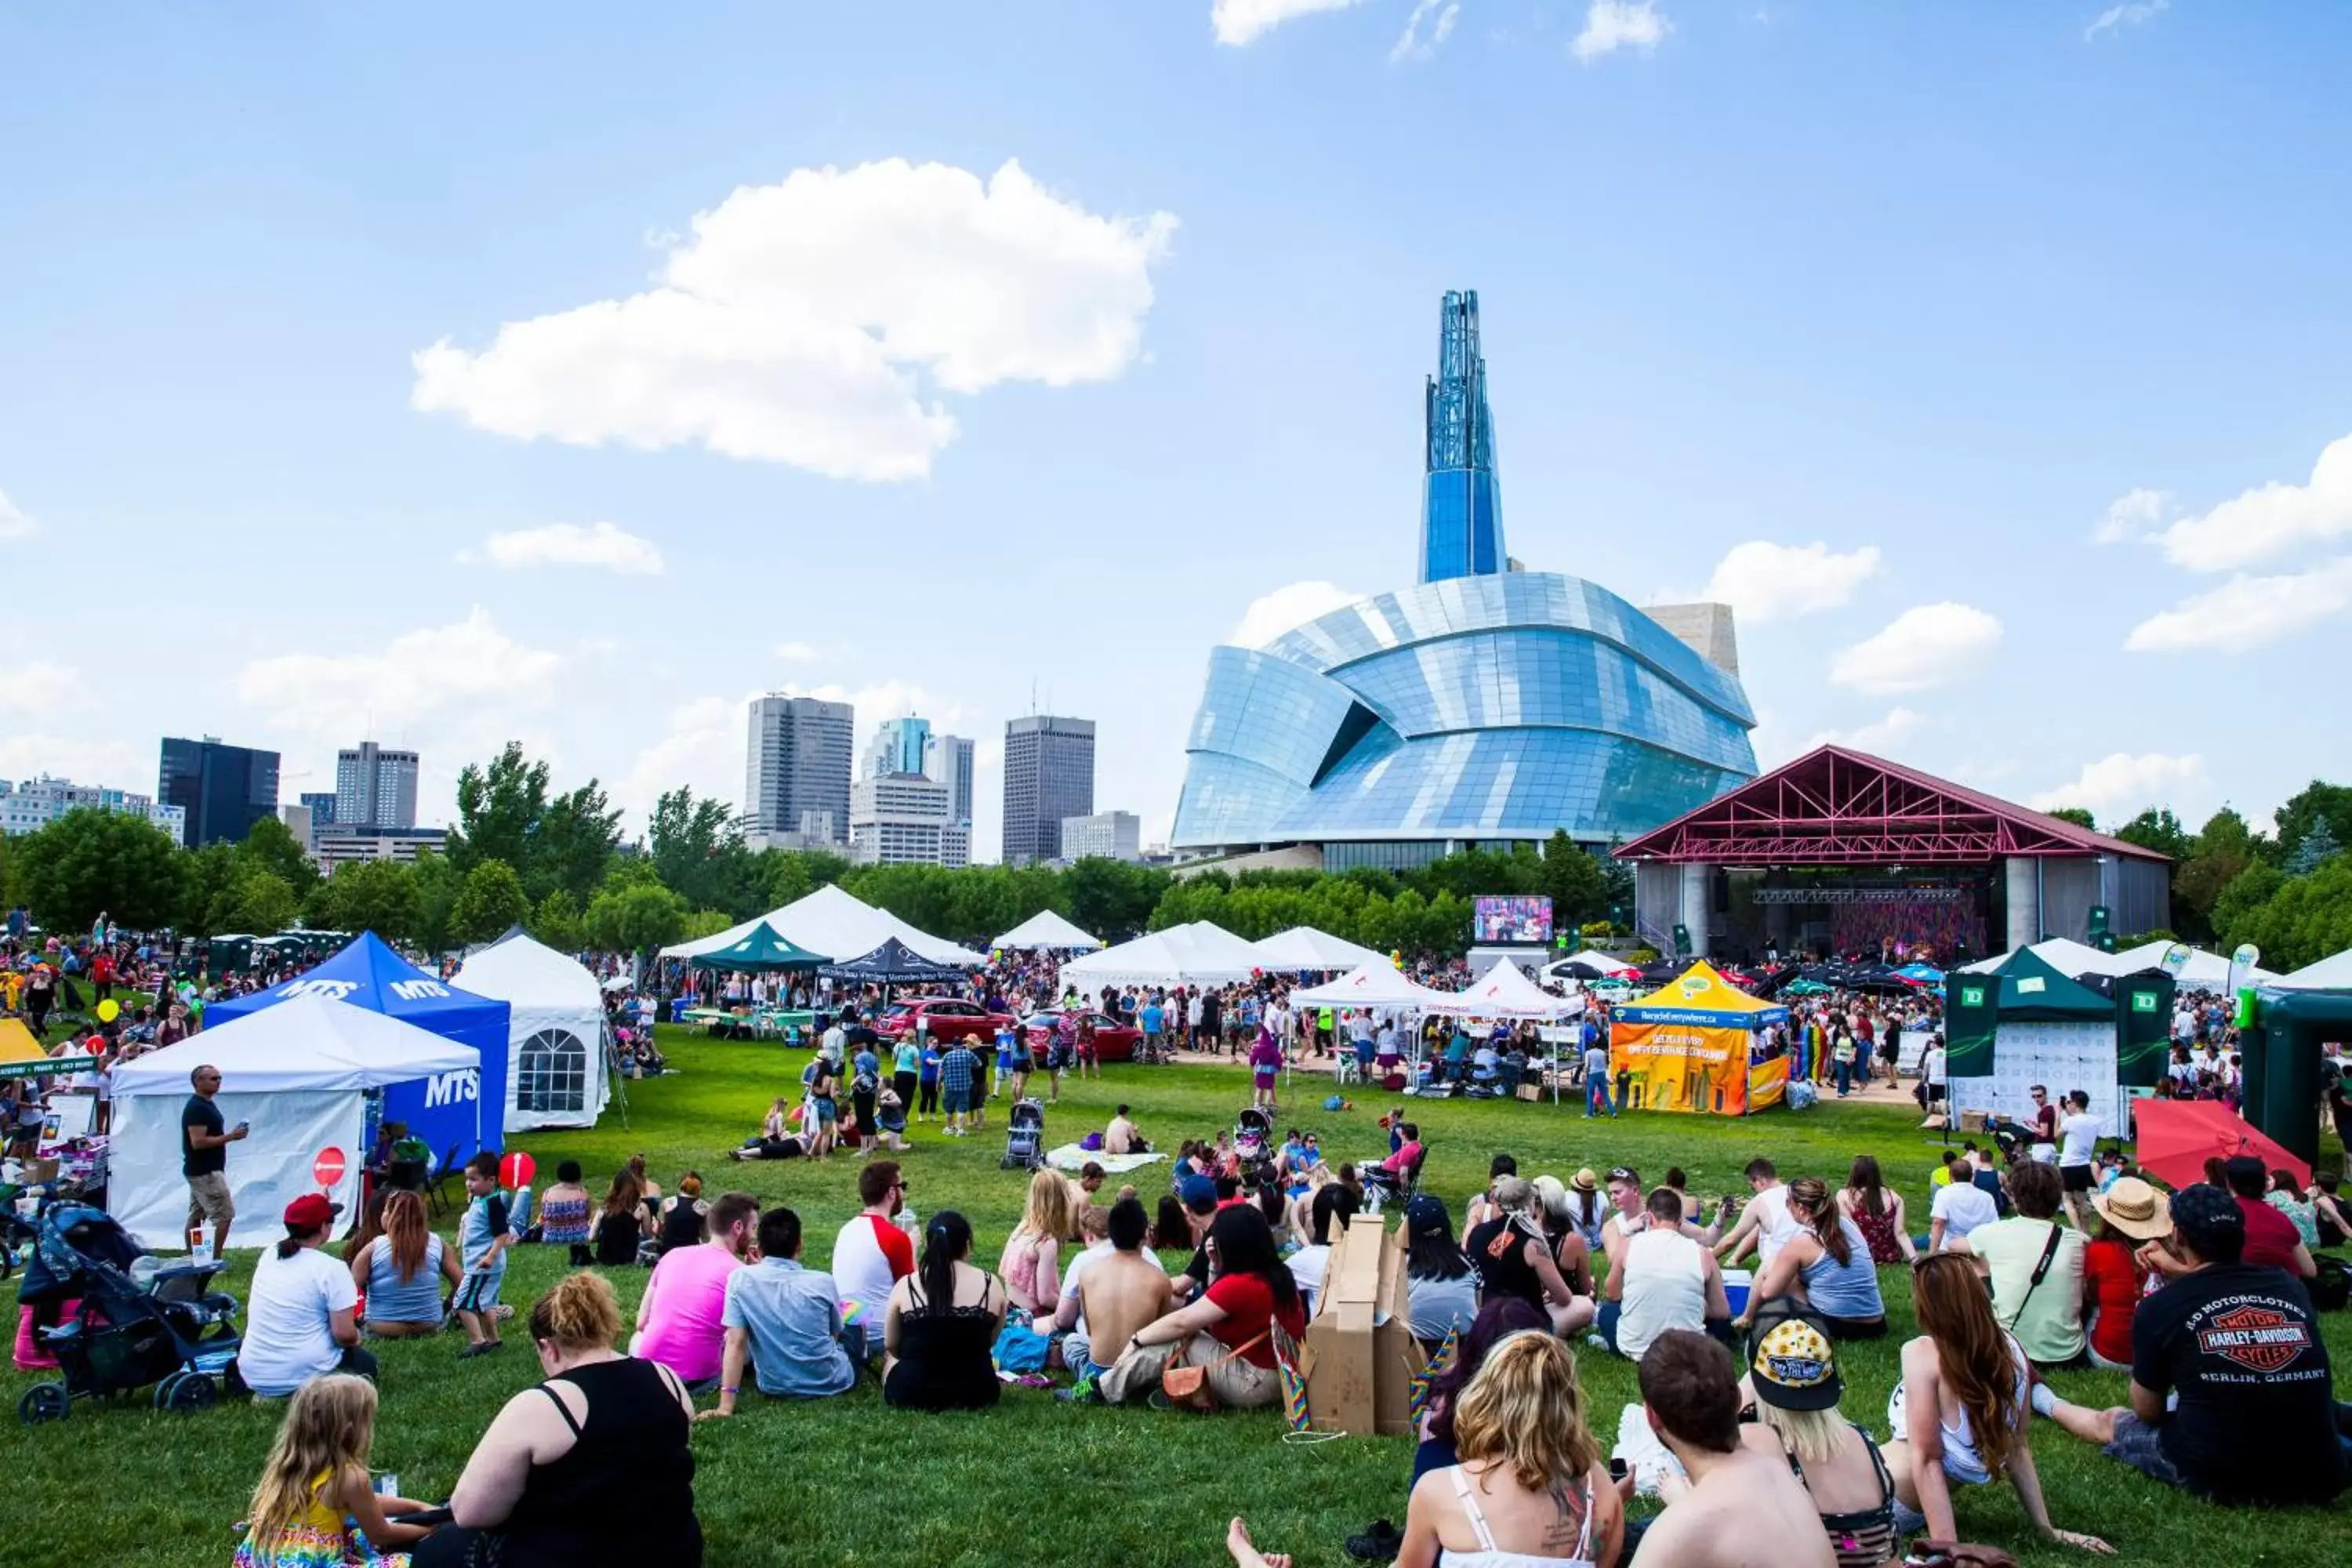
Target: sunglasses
x=1621, y=1175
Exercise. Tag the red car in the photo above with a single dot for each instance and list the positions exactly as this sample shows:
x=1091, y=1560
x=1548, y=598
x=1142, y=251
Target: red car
x=944, y=1019
x=1114, y=1041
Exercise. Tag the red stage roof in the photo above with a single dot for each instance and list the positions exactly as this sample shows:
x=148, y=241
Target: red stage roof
x=1838, y=807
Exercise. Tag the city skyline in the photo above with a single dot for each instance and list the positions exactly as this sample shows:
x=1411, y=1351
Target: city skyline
x=1955, y=383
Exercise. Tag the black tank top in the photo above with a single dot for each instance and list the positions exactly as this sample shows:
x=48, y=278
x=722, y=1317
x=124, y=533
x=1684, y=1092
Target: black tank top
x=624, y=1491
x=1498, y=1251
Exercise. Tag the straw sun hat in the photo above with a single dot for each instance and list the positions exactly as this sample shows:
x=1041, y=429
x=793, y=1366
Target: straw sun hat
x=2135, y=1208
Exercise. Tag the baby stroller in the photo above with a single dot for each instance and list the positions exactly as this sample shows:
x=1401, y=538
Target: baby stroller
x=1253, y=1136
x=140, y=1320
x=1025, y=1137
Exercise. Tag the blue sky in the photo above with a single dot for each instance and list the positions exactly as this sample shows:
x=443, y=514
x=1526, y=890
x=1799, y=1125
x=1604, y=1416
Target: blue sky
x=573, y=373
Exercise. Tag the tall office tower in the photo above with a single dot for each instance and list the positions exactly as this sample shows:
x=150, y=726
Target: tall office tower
x=375, y=788
x=796, y=767
x=1462, y=503
x=898, y=747
x=900, y=819
x=948, y=758
x=320, y=804
x=1049, y=774
x=225, y=790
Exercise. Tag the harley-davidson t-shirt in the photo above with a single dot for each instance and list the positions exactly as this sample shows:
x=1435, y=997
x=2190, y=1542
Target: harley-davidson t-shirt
x=2257, y=1415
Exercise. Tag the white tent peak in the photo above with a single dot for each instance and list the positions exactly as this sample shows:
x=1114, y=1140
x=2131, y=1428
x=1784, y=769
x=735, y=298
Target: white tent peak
x=1304, y=947
x=555, y=1016
x=1198, y=953
x=837, y=926
x=304, y=1043
x=1376, y=983
x=1047, y=929
x=2328, y=974
x=1506, y=991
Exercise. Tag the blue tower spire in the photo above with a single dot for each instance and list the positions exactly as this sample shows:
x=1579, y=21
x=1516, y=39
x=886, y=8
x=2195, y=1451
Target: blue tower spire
x=1462, y=503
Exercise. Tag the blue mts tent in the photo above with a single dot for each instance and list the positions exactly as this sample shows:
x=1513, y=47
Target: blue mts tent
x=445, y=1109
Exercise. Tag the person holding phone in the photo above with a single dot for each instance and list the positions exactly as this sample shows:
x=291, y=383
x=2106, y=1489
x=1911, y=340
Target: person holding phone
x=205, y=1138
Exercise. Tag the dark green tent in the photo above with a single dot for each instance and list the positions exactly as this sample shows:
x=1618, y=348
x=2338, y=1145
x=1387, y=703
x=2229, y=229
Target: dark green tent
x=762, y=952
x=2143, y=1026
x=2024, y=988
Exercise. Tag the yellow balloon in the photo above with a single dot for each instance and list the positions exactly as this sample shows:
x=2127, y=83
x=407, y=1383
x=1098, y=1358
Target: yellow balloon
x=109, y=1010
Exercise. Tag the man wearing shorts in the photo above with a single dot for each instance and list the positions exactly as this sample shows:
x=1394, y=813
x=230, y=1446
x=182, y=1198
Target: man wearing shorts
x=959, y=1078
x=204, y=1156
x=2078, y=1153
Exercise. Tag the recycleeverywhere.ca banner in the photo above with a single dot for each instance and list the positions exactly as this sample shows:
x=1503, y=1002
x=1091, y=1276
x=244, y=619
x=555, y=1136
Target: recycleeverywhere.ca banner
x=1688, y=1067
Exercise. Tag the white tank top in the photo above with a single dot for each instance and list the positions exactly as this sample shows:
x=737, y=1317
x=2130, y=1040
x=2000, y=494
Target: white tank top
x=1489, y=1556
x=1666, y=1287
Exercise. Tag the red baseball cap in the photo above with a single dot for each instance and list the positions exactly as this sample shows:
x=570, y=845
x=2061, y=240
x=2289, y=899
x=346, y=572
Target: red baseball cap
x=310, y=1211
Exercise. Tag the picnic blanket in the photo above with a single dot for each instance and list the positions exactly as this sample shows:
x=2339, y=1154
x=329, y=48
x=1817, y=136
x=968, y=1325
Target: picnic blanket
x=1070, y=1157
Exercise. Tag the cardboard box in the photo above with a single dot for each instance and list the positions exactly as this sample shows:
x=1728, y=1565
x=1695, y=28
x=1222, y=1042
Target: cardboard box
x=1972, y=1120
x=1530, y=1091
x=1361, y=1357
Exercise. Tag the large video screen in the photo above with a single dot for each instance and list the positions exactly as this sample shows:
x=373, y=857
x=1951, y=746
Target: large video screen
x=1513, y=919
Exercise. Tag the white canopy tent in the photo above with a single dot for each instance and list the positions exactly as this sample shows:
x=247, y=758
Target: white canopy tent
x=1200, y=954
x=2067, y=957
x=1047, y=929
x=836, y=926
x=1304, y=948
x=2203, y=972
x=1607, y=963
x=300, y=1072
x=2328, y=974
x=1377, y=984
x=1506, y=991
x=555, y=1041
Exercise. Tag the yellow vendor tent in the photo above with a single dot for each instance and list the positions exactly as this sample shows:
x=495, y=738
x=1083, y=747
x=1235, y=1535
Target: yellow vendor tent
x=17, y=1043
x=1687, y=1046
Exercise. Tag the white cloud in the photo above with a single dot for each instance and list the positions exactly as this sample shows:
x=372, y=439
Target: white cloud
x=2270, y=520
x=1239, y=22
x=110, y=762
x=469, y=664
x=1880, y=736
x=1927, y=645
x=702, y=750
x=1613, y=24
x=1410, y=45
x=795, y=652
x=814, y=321
x=2116, y=17
x=14, y=523
x=2120, y=786
x=568, y=544
x=2131, y=516
x=40, y=687
x=1293, y=604
x=2247, y=612
x=1765, y=582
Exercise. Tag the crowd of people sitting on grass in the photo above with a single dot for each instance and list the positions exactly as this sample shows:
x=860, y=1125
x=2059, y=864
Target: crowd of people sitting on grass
x=2204, y=1297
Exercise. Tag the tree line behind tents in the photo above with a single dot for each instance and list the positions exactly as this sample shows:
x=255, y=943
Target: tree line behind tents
x=555, y=861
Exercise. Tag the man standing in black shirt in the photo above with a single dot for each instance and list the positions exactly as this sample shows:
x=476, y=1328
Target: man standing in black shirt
x=2257, y=1420
x=204, y=1156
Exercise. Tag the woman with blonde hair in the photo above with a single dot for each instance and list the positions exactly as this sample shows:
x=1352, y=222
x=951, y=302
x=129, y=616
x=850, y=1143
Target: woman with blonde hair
x=400, y=1270
x=315, y=1506
x=1531, y=1478
x=591, y=1466
x=1033, y=1253
x=1959, y=1416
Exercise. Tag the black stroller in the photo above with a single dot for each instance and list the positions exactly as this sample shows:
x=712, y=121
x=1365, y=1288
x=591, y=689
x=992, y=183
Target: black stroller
x=140, y=1321
x=1025, y=1137
x=1253, y=1136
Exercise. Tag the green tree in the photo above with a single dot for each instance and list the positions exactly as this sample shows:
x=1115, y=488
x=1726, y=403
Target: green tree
x=1112, y=898
x=2080, y=816
x=2316, y=847
x=272, y=846
x=505, y=813
x=557, y=922
x=1578, y=888
x=263, y=904
x=438, y=883
x=687, y=840
x=2317, y=802
x=574, y=846
x=2237, y=911
x=369, y=895
x=2157, y=828
x=85, y=863
x=2223, y=848
x=208, y=889
x=634, y=917
x=491, y=900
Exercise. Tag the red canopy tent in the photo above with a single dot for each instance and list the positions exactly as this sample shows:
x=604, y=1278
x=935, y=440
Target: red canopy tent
x=2177, y=1136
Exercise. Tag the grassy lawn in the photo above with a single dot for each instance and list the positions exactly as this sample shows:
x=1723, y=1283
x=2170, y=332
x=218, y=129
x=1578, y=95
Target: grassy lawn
x=847, y=1481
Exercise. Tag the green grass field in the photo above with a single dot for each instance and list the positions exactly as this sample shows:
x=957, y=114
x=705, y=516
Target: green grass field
x=848, y=1481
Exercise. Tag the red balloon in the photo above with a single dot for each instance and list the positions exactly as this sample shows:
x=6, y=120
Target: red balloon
x=516, y=1170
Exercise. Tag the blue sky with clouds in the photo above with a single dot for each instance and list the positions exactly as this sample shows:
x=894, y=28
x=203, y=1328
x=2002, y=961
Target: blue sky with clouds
x=573, y=373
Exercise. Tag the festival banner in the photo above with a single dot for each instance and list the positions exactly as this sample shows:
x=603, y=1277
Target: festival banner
x=2143, y=1027
x=1683, y=1067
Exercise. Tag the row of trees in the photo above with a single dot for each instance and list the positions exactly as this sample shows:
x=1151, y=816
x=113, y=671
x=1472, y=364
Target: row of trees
x=522, y=851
